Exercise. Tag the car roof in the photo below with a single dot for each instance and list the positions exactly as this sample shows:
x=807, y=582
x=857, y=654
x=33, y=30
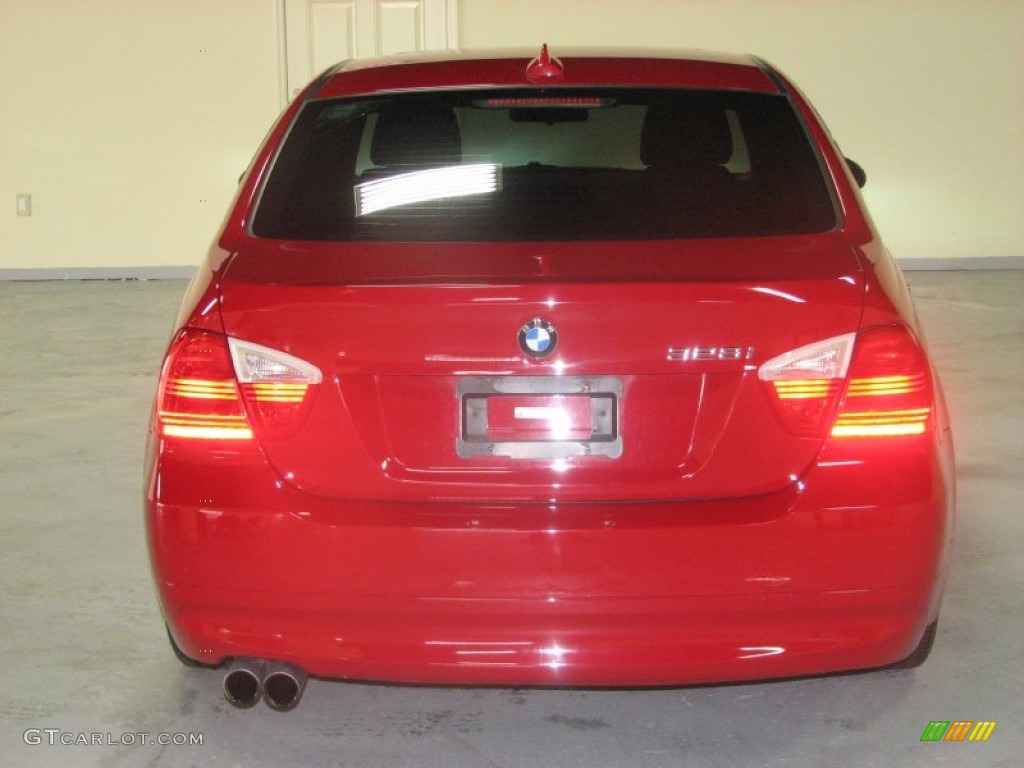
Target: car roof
x=622, y=67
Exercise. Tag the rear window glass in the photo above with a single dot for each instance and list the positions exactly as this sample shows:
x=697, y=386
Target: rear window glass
x=511, y=165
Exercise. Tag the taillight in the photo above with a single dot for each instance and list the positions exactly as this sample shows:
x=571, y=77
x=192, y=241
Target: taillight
x=890, y=389
x=198, y=396
x=872, y=384
x=213, y=388
x=805, y=383
x=276, y=386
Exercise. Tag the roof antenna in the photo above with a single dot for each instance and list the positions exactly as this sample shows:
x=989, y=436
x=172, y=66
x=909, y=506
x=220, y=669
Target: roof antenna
x=544, y=69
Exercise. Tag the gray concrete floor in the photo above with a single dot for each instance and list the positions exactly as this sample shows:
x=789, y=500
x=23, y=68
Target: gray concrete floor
x=82, y=649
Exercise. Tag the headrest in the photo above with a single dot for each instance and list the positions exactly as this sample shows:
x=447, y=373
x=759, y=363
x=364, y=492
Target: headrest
x=678, y=135
x=416, y=134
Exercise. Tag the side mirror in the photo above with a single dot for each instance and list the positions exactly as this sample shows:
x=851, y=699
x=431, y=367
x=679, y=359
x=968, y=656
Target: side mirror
x=858, y=172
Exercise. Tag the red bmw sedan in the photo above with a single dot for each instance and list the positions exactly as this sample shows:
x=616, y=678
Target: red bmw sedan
x=575, y=369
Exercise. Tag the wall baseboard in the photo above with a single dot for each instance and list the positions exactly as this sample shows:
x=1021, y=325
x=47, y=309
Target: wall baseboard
x=979, y=263
x=185, y=273
x=100, y=273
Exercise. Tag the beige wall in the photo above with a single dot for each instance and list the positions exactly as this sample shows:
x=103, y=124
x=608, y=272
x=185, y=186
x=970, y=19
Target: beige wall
x=130, y=120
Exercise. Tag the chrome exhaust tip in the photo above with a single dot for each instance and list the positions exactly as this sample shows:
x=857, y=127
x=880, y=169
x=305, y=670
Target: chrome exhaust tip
x=283, y=686
x=243, y=682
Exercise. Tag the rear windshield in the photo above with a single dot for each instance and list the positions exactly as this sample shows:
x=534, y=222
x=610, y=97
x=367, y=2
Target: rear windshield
x=522, y=165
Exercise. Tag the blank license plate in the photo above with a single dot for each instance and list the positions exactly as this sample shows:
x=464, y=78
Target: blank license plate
x=539, y=417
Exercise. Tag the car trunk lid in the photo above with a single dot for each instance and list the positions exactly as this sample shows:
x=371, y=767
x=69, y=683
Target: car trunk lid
x=650, y=390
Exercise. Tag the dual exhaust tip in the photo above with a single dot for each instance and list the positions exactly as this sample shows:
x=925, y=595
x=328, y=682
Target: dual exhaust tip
x=279, y=683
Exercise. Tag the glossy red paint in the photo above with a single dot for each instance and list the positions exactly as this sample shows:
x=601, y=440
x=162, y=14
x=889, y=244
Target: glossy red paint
x=579, y=67
x=813, y=578
x=719, y=545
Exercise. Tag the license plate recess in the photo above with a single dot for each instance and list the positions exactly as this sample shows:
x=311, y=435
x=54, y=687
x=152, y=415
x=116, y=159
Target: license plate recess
x=539, y=417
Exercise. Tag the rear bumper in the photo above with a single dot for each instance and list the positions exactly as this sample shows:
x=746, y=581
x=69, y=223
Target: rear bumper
x=842, y=570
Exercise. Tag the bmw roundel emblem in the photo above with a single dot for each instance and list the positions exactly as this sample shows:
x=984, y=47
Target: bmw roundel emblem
x=538, y=338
